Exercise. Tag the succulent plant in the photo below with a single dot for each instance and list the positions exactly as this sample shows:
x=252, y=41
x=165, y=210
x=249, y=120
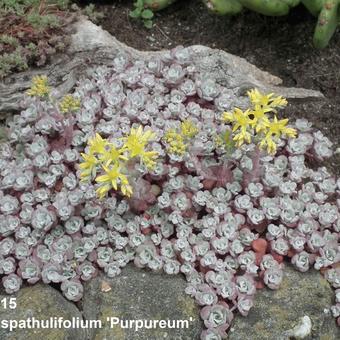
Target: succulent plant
x=31, y=32
x=225, y=215
x=327, y=12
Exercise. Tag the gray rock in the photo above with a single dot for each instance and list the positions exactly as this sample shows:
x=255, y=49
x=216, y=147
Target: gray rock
x=92, y=46
x=41, y=302
x=275, y=313
x=139, y=295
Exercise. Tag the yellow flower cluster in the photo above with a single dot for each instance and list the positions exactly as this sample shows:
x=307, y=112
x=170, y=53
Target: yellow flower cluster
x=112, y=161
x=177, y=140
x=69, y=104
x=275, y=128
x=136, y=142
x=241, y=124
x=255, y=120
x=188, y=129
x=39, y=87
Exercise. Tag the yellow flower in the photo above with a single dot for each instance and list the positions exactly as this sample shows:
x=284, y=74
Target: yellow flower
x=136, y=142
x=227, y=117
x=276, y=129
x=268, y=142
x=98, y=144
x=112, y=179
x=255, y=121
x=175, y=142
x=39, y=87
x=137, y=139
x=241, y=137
x=188, y=129
x=241, y=120
x=103, y=190
x=241, y=123
x=259, y=119
x=126, y=189
x=238, y=118
x=265, y=103
x=69, y=104
x=88, y=167
x=257, y=116
x=149, y=158
x=113, y=155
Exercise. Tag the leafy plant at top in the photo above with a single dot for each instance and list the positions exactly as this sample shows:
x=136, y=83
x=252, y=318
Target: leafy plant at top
x=31, y=31
x=140, y=12
x=91, y=12
x=42, y=22
x=327, y=11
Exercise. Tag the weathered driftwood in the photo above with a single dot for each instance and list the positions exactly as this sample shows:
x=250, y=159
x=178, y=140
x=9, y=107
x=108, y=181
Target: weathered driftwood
x=91, y=45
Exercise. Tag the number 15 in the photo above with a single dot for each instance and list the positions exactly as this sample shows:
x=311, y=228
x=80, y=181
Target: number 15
x=10, y=303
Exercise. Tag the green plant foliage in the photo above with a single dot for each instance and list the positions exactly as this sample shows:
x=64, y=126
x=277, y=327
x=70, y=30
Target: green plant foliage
x=42, y=22
x=327, y=11
x=21, y=7
x=226, y=7
x=15, y=61
x=157, y=5
x=91, y=12
x=141, y=12
x=328, y=19
x=31, y=31
x=8, y=40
